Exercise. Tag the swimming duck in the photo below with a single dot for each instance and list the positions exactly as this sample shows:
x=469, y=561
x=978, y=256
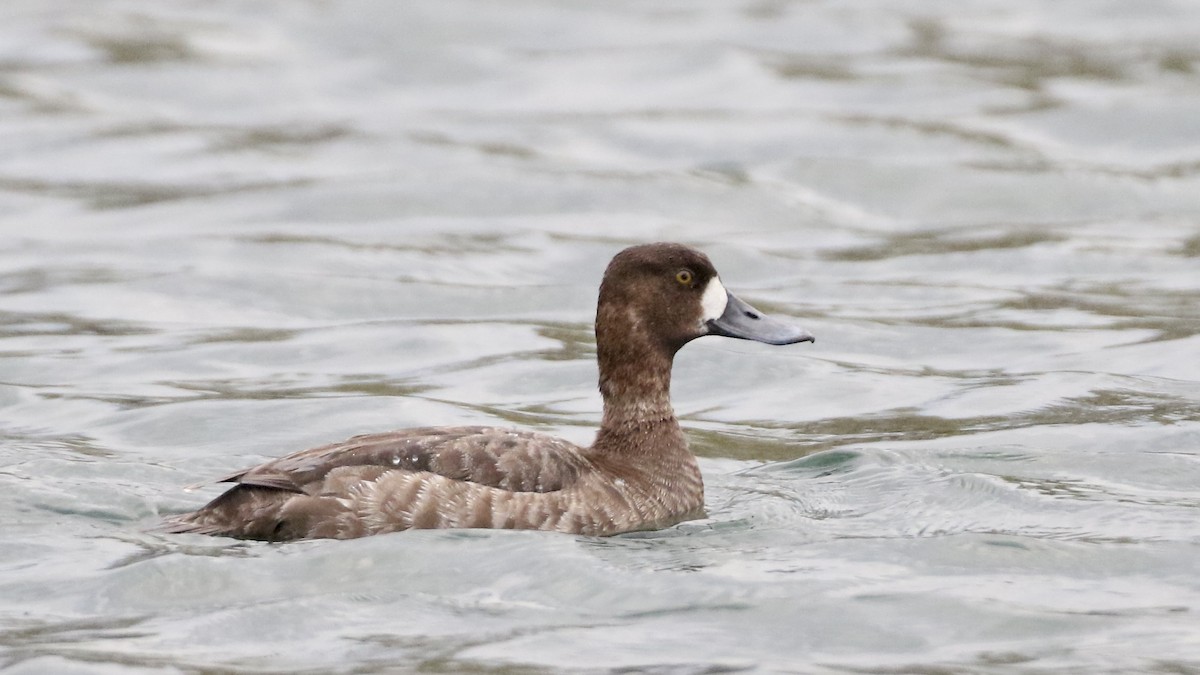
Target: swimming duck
x=638, y=474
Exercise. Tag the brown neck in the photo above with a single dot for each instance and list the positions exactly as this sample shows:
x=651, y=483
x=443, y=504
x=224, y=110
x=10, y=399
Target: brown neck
x=635, y=382
x=636, y=390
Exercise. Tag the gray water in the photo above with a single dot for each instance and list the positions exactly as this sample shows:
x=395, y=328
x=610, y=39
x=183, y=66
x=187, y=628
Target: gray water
x=232, y=230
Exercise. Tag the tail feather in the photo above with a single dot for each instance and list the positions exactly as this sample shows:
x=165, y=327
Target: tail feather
x=268, y=514
x=244, y=512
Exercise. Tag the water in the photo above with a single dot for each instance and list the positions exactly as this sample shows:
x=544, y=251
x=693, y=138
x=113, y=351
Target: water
x=233, y=230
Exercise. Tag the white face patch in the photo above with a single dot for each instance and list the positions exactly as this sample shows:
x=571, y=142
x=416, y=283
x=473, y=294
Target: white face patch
x=712, y=303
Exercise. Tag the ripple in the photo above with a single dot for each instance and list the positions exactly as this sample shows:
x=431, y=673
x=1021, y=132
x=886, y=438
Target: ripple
x=942, y=242
x=103, y=195
x=241, y=230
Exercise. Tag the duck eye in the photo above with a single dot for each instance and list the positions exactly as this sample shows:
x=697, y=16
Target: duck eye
x=684, y=277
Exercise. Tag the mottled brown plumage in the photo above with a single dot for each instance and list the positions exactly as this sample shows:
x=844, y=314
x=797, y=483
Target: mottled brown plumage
x=638, y=474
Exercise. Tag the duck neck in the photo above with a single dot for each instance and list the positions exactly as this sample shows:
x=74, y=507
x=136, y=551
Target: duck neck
x=635, y=377
x=636, y=391
x=635, y=382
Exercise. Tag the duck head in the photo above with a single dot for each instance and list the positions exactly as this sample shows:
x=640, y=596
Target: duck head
x=670, y=294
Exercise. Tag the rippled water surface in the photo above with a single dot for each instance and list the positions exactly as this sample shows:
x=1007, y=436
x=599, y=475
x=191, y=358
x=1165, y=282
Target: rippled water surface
x=232, y=230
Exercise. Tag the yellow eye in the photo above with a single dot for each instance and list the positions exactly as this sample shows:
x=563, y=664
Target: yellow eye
x=684, y=277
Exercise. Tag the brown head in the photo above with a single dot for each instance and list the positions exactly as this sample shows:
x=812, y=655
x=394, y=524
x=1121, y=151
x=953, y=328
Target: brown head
x=654, y=299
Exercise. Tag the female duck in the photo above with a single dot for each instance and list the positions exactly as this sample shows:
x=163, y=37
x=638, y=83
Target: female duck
x=637, y=475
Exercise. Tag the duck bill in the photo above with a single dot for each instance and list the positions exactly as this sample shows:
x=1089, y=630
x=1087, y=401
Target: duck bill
x=740, y=320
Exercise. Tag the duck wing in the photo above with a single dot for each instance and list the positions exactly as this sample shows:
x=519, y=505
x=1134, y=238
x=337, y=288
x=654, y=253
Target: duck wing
x=507, y=459
x=415, y=478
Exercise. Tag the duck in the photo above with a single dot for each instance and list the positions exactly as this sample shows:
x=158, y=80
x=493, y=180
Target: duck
x=638, y=473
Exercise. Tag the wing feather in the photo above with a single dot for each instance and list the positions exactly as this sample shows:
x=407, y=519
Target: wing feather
x=517, y=461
